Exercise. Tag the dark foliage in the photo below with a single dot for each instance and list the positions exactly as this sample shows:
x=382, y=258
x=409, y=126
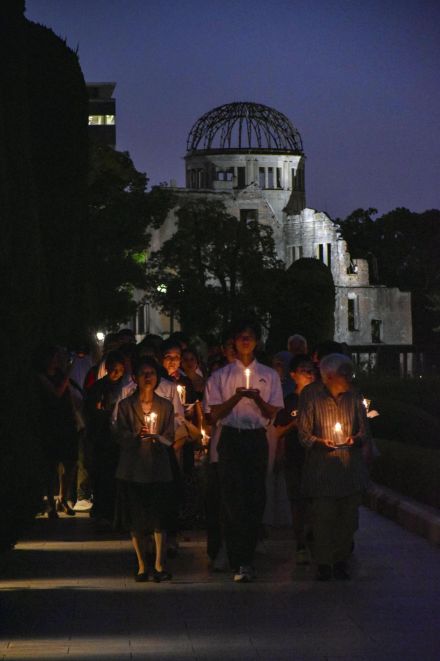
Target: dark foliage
x=304, y=302
x=402, y=248
x=116, y=239
x=43, y=174
x=214, y=269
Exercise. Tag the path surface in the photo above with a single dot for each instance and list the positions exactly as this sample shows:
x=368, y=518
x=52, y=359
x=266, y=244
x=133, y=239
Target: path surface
x=68, y=593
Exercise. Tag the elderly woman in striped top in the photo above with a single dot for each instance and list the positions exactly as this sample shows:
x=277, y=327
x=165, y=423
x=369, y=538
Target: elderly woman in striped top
x=333, y=428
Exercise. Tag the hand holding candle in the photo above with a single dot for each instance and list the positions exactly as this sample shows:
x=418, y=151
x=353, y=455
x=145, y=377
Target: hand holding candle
x=150, y=422
x=153, y=422
x=182, y=394
x=247, y=374
x=338, y=438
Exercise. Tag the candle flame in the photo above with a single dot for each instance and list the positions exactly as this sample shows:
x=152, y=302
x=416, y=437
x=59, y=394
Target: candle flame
x=338, y=427
x=182, y=393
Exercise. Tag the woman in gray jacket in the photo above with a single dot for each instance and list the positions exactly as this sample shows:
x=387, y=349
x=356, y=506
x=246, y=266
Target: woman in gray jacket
x=144, y=430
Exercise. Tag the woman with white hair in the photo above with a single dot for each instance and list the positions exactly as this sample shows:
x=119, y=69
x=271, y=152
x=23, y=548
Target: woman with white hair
x=333, y=428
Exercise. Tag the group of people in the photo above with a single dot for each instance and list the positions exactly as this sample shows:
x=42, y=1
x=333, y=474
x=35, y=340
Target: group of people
x=151, y=440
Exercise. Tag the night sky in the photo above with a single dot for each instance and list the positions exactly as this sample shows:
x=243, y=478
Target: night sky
x=359, y=80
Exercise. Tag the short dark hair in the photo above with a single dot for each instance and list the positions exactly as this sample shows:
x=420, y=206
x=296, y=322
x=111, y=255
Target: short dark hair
x=179, y=337
x=170, y=343
x=193, y=351
x=111, y=339
x=112, y=358
x=147, y=361
x=298, y=360
x=242, y=324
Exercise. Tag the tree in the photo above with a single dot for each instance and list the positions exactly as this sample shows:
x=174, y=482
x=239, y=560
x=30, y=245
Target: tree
x=213, y=269
x=304, y=303
x=120, y=213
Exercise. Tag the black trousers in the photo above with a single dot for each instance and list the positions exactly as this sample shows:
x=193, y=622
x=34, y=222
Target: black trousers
x=213, y=510
x=242, y=469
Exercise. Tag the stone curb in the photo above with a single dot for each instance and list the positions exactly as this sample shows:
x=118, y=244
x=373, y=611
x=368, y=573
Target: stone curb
x=413, y=516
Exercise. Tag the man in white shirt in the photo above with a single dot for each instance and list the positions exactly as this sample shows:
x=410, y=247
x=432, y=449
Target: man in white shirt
x=245, y=395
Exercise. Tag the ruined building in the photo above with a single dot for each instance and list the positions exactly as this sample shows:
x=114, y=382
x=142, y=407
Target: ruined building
x=252, y=158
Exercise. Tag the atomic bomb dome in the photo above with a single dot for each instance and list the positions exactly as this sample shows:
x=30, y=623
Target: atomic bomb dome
x=251, y=158
x=244, y=126
x=243, y=144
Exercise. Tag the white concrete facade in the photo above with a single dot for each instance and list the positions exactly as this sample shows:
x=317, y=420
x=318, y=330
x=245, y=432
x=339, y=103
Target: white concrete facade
x=364, y=313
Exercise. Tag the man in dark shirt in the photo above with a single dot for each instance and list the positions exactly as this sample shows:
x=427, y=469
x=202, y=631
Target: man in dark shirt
x=290, y=452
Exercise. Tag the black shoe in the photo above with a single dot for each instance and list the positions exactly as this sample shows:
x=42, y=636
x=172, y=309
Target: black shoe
x=324, y=573
x=159, y=576
x=142, y=577
x=340, y=571
x=62, y=506
x=52, y=514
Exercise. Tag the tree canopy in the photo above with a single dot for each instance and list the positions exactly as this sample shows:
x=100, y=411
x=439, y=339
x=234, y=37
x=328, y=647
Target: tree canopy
x=120, y=214
x=402, y=248
x=304, y=302
x=213, y=269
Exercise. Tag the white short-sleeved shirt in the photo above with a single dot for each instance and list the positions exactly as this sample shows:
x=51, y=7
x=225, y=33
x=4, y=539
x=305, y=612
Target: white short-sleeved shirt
x=223, y=383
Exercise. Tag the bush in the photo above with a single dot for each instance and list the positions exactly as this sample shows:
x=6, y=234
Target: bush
x=409, y=469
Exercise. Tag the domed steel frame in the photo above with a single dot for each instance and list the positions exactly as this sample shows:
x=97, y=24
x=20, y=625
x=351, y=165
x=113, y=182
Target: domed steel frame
x=248, y=127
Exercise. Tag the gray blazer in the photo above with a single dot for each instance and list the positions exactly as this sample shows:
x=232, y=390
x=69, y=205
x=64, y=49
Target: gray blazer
x=142, y=460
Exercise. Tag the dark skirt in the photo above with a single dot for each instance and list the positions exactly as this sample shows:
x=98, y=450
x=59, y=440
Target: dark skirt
x=144, y=508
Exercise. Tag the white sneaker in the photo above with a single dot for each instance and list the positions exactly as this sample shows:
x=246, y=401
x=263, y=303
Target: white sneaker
x=244, y=575
x=83, y=506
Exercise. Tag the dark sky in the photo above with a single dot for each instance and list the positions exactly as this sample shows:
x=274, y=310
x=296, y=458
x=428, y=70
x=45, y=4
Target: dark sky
x=359, y=80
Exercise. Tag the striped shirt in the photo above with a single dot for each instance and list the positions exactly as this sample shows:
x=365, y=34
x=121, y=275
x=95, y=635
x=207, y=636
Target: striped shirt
x=332, y=473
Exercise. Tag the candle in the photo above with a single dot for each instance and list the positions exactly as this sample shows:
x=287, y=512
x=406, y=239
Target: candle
x=147, y=421
x=182, y=393
x=366, y=403
x=338, y=434
x=205, y=437
x=247, y=374
x=153, y=422
x=150, y=421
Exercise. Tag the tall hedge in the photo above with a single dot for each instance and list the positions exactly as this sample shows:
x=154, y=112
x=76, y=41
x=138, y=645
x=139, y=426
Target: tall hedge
x=43, y=158
x=58, y=104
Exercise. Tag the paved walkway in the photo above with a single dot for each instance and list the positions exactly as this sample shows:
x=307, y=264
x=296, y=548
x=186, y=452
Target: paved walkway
x=68, y=593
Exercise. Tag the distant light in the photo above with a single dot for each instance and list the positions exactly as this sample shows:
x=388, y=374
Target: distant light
x=162, y=289
x=100, y=336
